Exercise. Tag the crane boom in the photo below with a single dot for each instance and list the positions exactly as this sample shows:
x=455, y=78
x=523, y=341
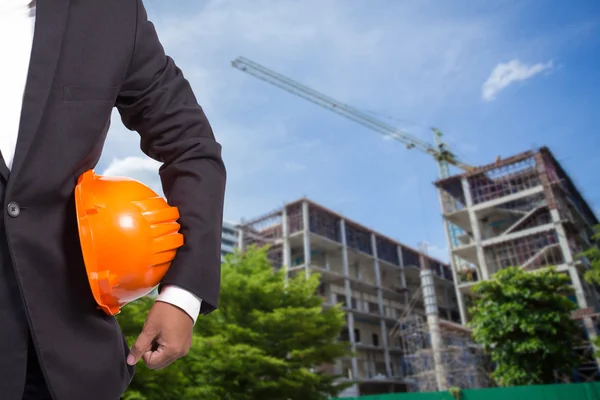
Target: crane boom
x=440, y=152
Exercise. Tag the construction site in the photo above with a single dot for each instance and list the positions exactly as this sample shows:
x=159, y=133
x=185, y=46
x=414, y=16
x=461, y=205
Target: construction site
x=407, y=312
x=378, y=282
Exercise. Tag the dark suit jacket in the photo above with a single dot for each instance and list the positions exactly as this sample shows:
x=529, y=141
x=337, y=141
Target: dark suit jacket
x=88, y=57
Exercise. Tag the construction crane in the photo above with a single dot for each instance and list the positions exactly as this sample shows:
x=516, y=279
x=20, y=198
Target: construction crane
x=438, y=150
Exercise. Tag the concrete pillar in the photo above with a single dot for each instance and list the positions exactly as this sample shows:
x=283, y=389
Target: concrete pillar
x=285, y=232
x=582, y=302
x=348, y=292
x=433, y=323
x=588, y=323
x=306, y=236
x=402, y=276
x=483, y=270
x=384, y=331
x=568, y=259
x=241, y=234
x=562, y=236
x=454, y=264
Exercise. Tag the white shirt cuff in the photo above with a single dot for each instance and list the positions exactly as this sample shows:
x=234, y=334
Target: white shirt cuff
x=181, y=298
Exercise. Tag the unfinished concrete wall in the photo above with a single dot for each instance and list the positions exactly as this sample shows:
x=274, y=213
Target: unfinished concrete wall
x=372, y=276
x=523, y=211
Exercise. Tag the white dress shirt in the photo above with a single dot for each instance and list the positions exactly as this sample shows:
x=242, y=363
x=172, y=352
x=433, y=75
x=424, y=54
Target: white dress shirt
x=17, y=23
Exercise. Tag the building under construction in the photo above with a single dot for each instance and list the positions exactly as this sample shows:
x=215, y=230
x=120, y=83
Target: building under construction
x=521, y=211
x=377, y=281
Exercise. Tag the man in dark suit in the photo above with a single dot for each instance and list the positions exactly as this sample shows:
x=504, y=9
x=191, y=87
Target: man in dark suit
x=65, y=65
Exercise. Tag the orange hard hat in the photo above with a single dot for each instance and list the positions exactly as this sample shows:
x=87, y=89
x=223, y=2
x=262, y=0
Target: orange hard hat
x=129, y=236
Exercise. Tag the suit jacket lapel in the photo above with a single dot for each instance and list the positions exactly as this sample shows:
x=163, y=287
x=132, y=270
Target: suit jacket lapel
x=4, y=172
x=50, y=25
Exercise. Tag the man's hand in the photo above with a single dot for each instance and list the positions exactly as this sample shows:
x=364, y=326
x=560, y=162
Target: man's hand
x=165, y=337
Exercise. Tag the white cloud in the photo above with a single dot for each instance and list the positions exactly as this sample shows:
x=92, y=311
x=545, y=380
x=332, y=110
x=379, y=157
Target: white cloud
x=505, y=74
x=129, y=165
x=143, y=169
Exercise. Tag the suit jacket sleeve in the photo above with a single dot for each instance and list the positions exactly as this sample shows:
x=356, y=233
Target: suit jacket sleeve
x=157, y=101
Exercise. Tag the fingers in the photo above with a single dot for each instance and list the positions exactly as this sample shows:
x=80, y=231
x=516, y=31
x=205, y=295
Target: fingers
x=147, y=355
x=160, y=358
x=142, y=344
x=163, y=356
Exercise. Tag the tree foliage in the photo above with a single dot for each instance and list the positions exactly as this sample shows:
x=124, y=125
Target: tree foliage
x=266, y=341
x=523, y=320
x=592, y=275
x=593, y=255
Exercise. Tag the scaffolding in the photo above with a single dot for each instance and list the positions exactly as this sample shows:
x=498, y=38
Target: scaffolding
x=463, y=363
x=586, y=369
x=264, y=231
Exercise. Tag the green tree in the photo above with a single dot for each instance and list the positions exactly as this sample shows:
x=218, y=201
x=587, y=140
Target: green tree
x=269, y=336
x=592, y=275
x=523, y=320
x=266, y=341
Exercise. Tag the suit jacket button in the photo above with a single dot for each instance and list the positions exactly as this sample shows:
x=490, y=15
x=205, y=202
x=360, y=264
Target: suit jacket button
x=13, y=209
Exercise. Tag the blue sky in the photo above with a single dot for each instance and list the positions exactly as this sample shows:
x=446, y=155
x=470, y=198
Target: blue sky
x=497, y=78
